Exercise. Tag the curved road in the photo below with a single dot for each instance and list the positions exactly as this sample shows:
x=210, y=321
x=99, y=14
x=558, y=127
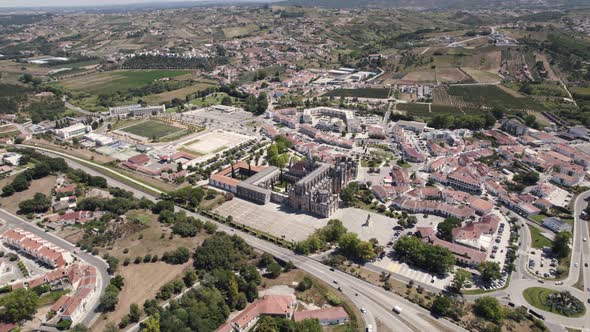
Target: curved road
x=101, y=265
x=522, y=279
x=377, y=301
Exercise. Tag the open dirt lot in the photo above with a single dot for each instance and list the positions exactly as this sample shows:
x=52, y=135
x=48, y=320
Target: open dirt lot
x=142, y=282
x=420, y=76
x=215, y=141
x=450, y=75
x=43, y=185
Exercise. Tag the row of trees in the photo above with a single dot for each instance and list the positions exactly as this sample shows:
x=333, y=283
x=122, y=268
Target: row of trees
x=473, y=122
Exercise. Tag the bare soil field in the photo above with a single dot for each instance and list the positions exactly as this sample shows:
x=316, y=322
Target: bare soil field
x=420, y=76
x=142, y=282
x=43, y=185
x=451, y=75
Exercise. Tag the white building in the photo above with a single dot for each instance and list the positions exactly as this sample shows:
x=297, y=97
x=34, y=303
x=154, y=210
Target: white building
x=135, y=110
x=72, y=131
x=11, y=158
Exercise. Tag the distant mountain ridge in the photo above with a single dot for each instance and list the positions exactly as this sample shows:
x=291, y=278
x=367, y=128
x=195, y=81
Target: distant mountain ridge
x=428, y=4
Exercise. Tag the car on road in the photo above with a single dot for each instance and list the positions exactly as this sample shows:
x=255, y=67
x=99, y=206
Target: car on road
x=585, y=239
x=397, y=310
x=559, y=282
x=541, y=281
x=334, y=281
x=332, y=269
x=369, y=328
x=363, y=310
x=575, y=264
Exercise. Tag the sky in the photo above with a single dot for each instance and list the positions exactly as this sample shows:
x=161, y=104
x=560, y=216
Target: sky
x=65, y=3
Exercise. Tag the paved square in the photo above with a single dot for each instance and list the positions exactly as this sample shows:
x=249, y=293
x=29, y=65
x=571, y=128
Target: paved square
x=294, y=226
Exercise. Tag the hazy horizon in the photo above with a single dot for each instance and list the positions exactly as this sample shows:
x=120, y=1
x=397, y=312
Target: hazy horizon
x=80, y=3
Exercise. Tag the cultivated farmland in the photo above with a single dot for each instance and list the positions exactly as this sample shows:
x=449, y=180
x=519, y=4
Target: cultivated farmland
x=120, y=80
x=359, y=93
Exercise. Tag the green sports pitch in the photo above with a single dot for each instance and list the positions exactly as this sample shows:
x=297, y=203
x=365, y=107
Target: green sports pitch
x=151, y=129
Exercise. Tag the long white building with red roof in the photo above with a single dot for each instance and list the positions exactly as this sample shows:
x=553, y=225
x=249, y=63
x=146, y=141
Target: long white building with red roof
x=36, y=247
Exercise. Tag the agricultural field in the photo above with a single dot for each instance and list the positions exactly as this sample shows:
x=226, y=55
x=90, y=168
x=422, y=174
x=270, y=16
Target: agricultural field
x=451, y=75
x=421, y=76
x=239, y=31
x=151, y=129
x=413, y=109
x=481, y=76
x=485, y=95
x=164, y=97
x=359, y=93
x=120, y=80
x=8, y=131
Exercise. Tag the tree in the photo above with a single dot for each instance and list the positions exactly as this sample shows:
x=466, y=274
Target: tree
x=134, y=313
x=38, y=204
x=445, y=228
x=561, y=244
x=19, y=304
x=441, y=306
x=490, y=271
x=190, y=277
x=250, y=274
x=180, y=255
x=152, y=324
x=304, y=284
x=274, y=270
x=265, y=260
x=489, y=308
x=459, y=280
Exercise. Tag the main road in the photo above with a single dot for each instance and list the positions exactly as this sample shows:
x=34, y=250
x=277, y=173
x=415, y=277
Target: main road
x=101, y=266
x=377, y=301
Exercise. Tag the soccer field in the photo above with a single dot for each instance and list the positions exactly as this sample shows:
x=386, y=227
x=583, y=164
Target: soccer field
x=151, y=129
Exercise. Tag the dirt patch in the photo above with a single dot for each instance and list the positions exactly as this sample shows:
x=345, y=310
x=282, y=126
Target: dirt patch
x=550, y=73
x=43, y=185
x=80, y=153
x=420, y=76
x=451, y=75
x=142, y=282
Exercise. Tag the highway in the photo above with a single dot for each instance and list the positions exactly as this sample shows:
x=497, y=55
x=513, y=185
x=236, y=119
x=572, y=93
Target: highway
x=101, y=265
x=377, y=301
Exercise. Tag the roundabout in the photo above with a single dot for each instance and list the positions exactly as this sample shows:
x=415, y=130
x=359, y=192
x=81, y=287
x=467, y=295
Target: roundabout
x=555, y=301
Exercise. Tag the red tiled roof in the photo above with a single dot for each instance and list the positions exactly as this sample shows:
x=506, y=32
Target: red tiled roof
x=321, y=314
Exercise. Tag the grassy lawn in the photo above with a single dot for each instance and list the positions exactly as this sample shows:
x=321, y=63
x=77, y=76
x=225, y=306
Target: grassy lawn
x=537, y=239
x=538, y=218
x=140, y=216
x=51, y=297
x=536, y=297
x=151, y=129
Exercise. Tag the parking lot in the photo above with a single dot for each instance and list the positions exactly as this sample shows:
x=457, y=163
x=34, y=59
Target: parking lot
x=541, y=263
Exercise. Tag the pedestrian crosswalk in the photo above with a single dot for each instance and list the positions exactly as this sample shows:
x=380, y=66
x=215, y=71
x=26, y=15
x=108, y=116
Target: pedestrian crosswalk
x=412, y=274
